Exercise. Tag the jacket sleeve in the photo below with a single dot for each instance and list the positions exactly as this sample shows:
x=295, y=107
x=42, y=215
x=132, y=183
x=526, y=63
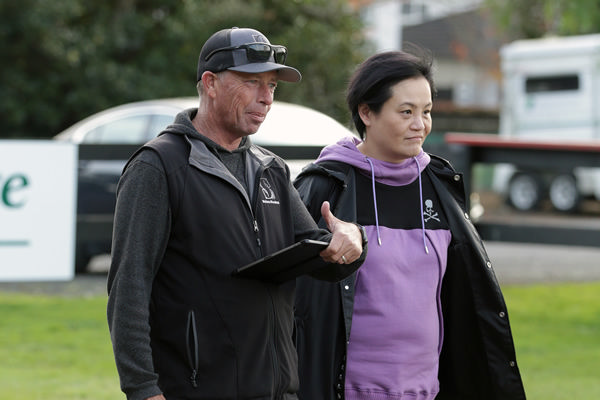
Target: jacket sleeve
x=139, y=239
x=314, y=189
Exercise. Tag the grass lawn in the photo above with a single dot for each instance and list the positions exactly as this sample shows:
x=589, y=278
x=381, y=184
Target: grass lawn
x=57, y=348
x=557, y=336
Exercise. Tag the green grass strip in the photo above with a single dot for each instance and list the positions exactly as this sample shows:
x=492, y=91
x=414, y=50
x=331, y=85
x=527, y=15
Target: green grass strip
x=55, y=348
x=557, y=334
x=58, y=348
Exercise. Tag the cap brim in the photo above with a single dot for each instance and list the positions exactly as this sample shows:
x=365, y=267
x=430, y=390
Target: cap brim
x=288, y=74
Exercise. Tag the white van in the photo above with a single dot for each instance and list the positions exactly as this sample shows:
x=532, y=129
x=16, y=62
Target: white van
x=551, y=91
x=288, y=127
x=287, y=124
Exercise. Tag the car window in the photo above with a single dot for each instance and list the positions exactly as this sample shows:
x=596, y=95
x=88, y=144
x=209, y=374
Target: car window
x=125, y=130
x=158, y=123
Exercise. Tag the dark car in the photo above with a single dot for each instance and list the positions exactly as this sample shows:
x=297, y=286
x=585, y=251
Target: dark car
x=108, y=138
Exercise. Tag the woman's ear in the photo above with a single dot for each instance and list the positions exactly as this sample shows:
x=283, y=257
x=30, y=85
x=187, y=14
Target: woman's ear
x=364, y=113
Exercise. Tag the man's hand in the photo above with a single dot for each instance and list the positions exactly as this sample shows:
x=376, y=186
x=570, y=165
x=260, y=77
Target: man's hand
x=346, y=244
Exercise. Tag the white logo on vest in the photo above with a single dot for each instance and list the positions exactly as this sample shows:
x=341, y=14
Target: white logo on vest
x=268, y=193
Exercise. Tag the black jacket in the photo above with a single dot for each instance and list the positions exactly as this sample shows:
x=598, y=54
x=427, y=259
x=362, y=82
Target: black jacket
x=478, y=358
x=180, y=322
x=210, y=330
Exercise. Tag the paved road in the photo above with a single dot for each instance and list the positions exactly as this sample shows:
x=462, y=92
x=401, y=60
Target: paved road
x=524, y=263
x=514, y=263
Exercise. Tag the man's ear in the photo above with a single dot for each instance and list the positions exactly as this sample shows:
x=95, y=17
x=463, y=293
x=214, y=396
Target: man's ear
x=209, y=81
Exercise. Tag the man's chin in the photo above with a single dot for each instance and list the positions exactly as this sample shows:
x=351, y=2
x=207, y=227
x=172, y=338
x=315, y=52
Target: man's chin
x=251, y=130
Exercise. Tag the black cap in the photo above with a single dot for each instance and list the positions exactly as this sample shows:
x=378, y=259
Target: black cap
x=236, y=60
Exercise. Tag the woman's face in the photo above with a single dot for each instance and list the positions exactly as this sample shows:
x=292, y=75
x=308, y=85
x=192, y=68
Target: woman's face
x=398, y=130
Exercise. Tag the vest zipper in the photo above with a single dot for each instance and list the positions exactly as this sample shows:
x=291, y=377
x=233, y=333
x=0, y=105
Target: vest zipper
x=258, y=242
x=273, y=346
x=192, y=348
x=272, y=314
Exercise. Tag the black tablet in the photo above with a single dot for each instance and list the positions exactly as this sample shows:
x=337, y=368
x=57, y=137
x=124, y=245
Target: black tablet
x=286, y=264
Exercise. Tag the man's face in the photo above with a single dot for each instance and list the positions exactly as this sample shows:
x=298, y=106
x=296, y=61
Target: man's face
x=243, y=100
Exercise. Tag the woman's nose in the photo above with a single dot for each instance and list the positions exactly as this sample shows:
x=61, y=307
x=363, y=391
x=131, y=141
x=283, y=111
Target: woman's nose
x=418, y=123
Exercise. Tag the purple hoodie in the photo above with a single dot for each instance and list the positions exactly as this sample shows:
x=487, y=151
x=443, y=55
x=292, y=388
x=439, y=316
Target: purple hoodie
x=396, y=335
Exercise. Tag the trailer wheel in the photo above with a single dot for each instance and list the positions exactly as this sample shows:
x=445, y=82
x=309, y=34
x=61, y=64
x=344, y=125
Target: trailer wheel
x=525, y=191
x=564, y=194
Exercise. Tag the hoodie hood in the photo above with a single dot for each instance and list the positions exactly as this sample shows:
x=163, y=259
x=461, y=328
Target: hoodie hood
x=182, y=125
x=394, y=174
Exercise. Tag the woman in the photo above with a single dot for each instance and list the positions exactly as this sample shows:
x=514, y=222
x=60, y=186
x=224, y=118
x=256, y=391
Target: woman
x=424, y=317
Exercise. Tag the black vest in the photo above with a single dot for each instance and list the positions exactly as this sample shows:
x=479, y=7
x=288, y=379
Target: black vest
x=214, y=335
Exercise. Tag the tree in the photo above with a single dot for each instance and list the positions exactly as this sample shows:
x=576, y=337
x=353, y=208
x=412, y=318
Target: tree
x=68, y=59
x=537, y=18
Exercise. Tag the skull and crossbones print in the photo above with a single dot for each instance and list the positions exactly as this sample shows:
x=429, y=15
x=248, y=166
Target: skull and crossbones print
x=429, y=212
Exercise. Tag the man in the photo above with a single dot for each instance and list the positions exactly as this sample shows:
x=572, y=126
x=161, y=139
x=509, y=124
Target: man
x=191, y=209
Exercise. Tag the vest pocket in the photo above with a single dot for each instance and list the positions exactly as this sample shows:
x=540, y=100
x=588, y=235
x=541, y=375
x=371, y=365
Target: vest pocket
x=191, y=343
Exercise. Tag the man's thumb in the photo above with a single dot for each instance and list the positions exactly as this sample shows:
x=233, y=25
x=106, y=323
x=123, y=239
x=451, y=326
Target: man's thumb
x=328, y=216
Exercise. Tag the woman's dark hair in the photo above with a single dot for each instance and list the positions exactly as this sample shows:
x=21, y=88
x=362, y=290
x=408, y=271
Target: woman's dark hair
x=372, y=81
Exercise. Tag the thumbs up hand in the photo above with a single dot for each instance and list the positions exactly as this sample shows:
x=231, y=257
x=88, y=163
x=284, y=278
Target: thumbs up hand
x=346, y=244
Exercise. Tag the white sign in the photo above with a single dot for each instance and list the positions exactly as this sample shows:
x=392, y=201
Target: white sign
x=38, y=189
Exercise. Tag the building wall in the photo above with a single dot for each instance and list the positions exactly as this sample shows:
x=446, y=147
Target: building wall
x=470, y=85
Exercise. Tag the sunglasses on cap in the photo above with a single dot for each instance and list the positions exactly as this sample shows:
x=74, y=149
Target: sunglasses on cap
x=256, y=52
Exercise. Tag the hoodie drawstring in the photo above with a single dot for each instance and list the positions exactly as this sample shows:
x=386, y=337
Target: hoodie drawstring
x=421, y=203
x=374, y=200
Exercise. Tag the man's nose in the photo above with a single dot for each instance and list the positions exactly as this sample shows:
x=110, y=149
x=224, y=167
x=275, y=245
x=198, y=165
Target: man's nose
x=266, y=94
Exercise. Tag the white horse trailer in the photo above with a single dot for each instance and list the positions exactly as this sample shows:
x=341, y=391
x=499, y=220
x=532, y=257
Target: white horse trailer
x=551, y=91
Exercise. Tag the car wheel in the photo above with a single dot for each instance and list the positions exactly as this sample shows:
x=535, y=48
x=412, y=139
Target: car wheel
x=564, y=194
x=525, y=191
